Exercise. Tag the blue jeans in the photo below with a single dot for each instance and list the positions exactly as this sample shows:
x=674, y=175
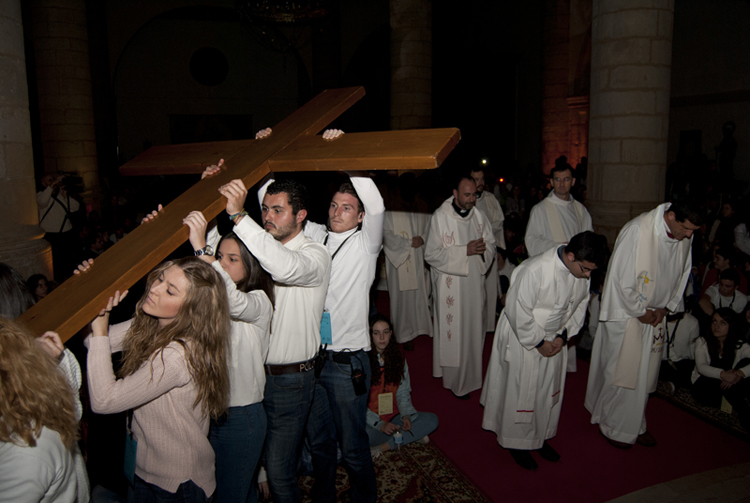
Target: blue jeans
x=237, y=440
x=422, y=424
x=188, y=492
x=339, y=414
x=287, y=403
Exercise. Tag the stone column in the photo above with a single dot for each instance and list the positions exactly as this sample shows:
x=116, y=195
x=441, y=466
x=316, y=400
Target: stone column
x=66, y=112
x=411, y=64
x=21, y=243
x=630, y=83
x=555, y=114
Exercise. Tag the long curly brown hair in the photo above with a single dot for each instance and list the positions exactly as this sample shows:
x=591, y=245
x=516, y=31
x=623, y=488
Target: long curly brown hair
x=392, y=356
x=33, y=392
x=201, y=327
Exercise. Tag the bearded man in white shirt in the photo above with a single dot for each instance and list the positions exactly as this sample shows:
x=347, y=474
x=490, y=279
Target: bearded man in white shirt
x=300, y=269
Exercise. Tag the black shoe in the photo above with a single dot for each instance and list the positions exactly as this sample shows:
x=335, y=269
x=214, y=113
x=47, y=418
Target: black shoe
x=523, y=459
x=616, y=443
x=462, y=397
x=548, y=453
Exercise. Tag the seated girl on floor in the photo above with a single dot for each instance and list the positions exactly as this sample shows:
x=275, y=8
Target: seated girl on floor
x=390, y=409
x=722, y=365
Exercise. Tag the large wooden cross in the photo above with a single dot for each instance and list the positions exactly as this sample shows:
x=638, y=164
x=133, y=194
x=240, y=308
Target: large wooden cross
x=293, y=146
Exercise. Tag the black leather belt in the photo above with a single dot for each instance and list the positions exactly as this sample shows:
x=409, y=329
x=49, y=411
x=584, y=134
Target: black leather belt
x=343, y=357
x=289, y=368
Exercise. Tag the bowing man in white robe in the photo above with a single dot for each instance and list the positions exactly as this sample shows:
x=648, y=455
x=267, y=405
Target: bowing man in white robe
x=460, y=249
x=408, y=284
x=558, y=217
x=555, y=220
x=487, y=203
x=646, y=279
x=546, y=303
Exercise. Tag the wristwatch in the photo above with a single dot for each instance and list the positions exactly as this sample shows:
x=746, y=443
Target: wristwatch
x=206, y=250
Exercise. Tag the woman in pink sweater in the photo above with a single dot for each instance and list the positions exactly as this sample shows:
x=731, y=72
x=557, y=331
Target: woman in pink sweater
x=174, y=379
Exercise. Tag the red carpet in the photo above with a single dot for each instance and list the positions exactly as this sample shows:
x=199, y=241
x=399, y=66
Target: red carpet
x=590, y=469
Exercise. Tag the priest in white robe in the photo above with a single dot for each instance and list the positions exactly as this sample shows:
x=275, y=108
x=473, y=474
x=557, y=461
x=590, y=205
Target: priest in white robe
x=460, y=249
x=487, y=203
x=646, y=279
x=546, y=304
x=555, y=220
x=404, y=233
x=558, y=217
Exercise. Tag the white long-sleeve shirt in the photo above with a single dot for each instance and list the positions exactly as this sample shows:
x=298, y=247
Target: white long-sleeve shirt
x=703, y=361
x=353, y=270
x=301, y=270
x=250, y=333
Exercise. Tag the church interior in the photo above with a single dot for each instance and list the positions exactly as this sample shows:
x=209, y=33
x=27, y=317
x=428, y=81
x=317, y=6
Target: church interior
x=633, y=93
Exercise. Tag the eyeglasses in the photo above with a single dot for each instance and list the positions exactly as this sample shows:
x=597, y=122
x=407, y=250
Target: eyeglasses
x=584, y=269
x=567, y=179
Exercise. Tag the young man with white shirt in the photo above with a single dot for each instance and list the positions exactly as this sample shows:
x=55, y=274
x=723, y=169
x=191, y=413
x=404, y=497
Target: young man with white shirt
x=300, y=269
x=725, y=293
x=353, y=237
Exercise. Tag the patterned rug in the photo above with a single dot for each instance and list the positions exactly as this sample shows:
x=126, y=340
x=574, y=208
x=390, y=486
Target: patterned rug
x=417, y=473
x=729, y=422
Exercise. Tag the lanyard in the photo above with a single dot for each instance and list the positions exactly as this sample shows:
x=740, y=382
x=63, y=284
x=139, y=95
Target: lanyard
x=730, y=304
x=670, y=340
x=325, y=242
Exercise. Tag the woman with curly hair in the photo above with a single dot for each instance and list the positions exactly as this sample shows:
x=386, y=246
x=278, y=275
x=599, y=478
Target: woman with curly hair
x=722, y=365
x=390, y=409
x=38, y=428
x=238, y=436
x=174, y=377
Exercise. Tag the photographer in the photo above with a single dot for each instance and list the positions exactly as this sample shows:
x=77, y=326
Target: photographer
x=55, y=216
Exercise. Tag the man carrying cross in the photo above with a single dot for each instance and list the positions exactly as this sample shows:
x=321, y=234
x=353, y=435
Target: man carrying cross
x=300, y=269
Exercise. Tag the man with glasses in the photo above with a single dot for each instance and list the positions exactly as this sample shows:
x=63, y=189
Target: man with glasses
x=646, y=280
x=558, y=217
x=546, y=304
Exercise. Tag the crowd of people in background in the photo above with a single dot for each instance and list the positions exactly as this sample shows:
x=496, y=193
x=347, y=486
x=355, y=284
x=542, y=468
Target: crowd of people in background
x=251, y=286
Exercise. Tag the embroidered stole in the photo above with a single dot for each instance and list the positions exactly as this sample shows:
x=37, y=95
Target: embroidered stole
x=407, y=270
x=555, y=224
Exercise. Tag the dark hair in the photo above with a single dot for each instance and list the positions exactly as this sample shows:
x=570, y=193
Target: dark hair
x=559, y=168
x=296, y=194
x=256, y=278
x=463, y=175
x=731, y=275
x=687, y=209
x=348, y=188
x=33, y=282
x=394, y=359
x=590, y=247
x=726, y=252
x=731, y=343
x=15, y=298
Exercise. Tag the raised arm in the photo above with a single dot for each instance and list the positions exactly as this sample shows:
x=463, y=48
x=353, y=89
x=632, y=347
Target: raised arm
x=308, y=266
x=372, y=225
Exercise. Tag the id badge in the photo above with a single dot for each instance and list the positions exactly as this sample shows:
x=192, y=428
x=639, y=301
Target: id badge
x=325, y=329
x=131, y=446
x=385, y=404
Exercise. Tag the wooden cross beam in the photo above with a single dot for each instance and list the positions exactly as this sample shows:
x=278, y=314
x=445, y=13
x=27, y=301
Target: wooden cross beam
x=293, y=146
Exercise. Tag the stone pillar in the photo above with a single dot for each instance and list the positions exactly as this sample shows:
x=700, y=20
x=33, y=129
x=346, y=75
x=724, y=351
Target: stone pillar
x=555, y=114
x=21, y=243
x=630, y=84
x=66, y=114
x=411, y=64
